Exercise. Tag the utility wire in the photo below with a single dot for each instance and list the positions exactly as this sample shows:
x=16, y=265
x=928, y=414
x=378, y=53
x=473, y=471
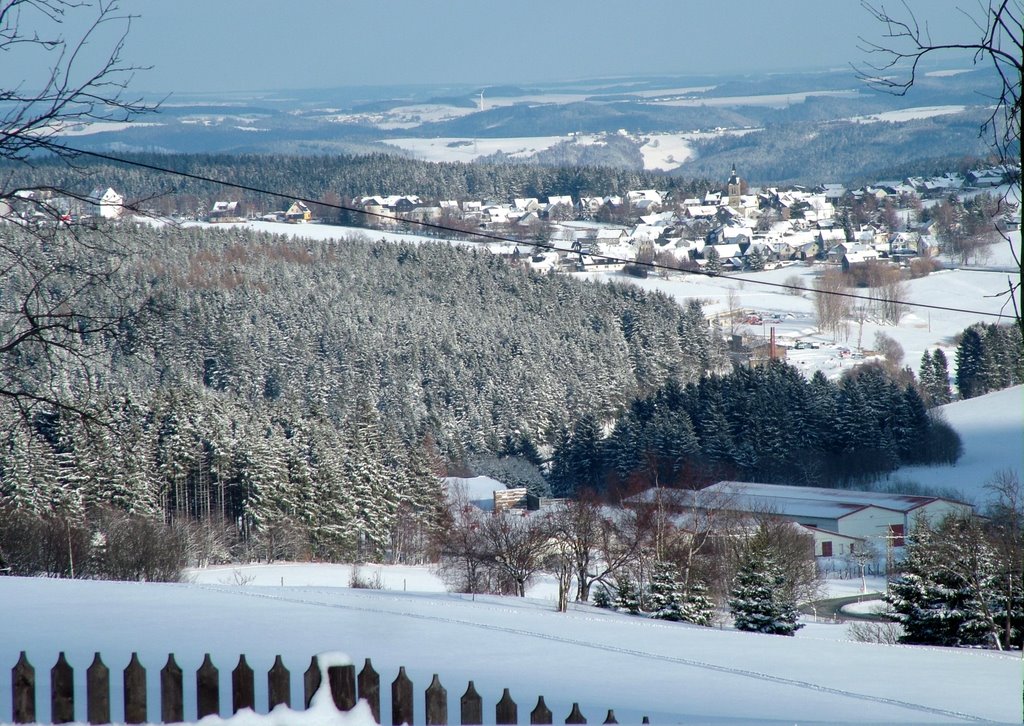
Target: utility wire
x=61, y=149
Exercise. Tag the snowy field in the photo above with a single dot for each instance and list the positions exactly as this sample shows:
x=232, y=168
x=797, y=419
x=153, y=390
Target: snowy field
x=673, y=673
x=992, y=430
x=459, y=149
x=659, y=151
x=909, y=114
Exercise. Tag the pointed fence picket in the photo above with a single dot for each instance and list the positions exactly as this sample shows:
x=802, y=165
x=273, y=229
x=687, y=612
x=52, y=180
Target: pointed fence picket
x=344, y=685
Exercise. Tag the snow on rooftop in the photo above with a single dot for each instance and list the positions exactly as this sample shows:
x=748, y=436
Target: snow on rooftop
x=476, y=488
x=898, y=502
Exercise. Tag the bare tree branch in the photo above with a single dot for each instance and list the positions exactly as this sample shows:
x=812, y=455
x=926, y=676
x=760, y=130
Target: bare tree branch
x=906, y=43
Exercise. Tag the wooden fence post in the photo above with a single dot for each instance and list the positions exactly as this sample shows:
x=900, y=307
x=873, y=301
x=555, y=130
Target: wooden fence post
x=134, y=691
x=207, y=689
x=610, y=718
x=401, y=699
x=472, y=707
x=541, y=713
x=575, y=716
x=23, y=691
x=97, y=692
x=279, y=685
x=506, y=711
x=437, y=703
x=369, y=688
x=62, y=691
x=172, y=692
x=342, y=680
x=243, y=687
x=311, y=680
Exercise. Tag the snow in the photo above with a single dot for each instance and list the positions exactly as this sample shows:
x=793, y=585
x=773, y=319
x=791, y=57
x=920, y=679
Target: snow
x=775, y=100
x=992, y=430
x=864, y=607
x=666, y=151
x=453, y=149
x=909, y=114
x=659, y=151
x=671, y=672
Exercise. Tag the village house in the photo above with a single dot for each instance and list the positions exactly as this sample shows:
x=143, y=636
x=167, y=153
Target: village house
x=226, y=212
x=105, y=203
x=298, y=212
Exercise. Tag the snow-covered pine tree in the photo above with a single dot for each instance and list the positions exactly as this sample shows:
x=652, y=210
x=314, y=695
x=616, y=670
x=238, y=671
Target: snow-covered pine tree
x=926, y=374
x=948, y=592
x=666, y=597
x=757, y=601
x=602, y=598
x=926, y=599
x=627, y=598
x=941, y=393
x=972, y=378
x=697, y=607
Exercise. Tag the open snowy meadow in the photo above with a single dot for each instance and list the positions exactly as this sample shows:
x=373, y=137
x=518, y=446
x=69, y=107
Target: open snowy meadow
x=671, y=672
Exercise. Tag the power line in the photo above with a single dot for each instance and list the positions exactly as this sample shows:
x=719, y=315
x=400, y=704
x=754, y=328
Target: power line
x=67, y=150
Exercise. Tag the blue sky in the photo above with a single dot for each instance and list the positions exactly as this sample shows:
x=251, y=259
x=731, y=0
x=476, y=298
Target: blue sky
x=223, y=45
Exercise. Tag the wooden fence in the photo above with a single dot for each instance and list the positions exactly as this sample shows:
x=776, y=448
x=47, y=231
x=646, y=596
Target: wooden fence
x=346, y=688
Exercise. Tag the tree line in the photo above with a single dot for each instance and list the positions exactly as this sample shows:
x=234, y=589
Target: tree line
x=767, y=423
x=330, y=179
x=299, y=398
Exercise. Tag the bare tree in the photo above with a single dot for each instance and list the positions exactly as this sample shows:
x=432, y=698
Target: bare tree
x=516, y=542
x=462, y=548
x=54, y=273
x=832, y=309
x=74, y=86
x=594, y=541
x=895, y=62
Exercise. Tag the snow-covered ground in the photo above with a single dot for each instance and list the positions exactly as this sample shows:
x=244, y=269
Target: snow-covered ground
x=992, y=430
x=673, y=673
x=452, y=149
x=909, y=114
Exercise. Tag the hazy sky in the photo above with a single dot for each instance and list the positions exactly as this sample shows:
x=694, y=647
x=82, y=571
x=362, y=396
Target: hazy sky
x=221, y=45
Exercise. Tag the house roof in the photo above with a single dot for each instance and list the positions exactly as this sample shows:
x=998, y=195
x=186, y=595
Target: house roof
x=741, y=502
x=898, y=502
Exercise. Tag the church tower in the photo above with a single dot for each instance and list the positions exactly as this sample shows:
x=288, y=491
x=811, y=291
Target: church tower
x=734, y=186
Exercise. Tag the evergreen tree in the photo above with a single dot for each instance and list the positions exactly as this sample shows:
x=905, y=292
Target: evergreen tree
x=602, y=598
x=666, y=596
x=756, y=259
x=757, y=600
x=971, y=375
x=627, y=597
x=697, y=607
x=947, y=592
x=714, y=261
x=940, y=392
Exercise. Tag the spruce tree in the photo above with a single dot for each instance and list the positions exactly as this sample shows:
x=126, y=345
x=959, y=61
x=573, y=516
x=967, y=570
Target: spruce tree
x=697, y=607
x=627, y=598
x=971, y=375
x=948, y=592
x=940, y=393
x=666, y=597
x=757, y=601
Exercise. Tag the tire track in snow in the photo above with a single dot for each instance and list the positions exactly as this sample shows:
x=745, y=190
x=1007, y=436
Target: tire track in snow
x=756, y=675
